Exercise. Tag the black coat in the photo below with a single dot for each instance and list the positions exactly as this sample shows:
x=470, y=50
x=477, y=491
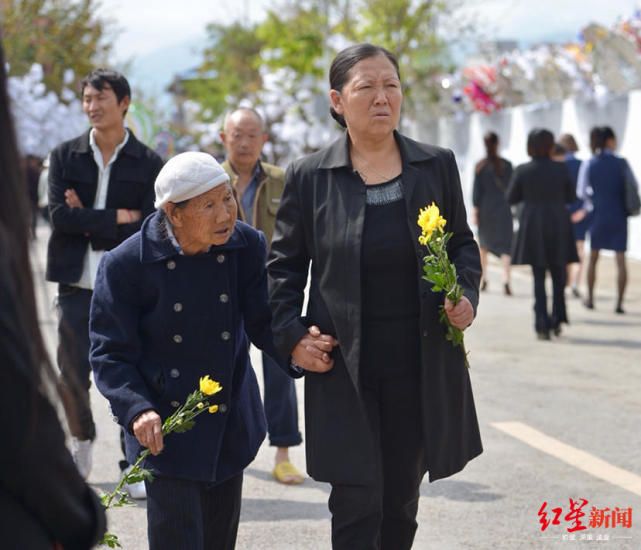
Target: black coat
x=321, y=220
x=42, y=496
x=131, y=185
x=545, y=235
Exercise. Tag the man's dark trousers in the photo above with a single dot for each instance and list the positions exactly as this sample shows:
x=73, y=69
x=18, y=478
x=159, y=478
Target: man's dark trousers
x=281, y=406
x=73, y=358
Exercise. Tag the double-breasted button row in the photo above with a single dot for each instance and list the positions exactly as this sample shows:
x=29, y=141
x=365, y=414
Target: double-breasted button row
x=171, y=264
x=224, y=298
x=178, y=307
x=175, y=404
x=174, y=373
x=220, y=258
x=225, y=335
x=178, y=338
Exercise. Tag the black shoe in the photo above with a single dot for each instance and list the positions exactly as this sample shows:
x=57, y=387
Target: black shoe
x=588, y=304
x=483, y=286
x=543, y=334
x=557, y=330
x=507, y=290
x=575, y=292
x=619, y=309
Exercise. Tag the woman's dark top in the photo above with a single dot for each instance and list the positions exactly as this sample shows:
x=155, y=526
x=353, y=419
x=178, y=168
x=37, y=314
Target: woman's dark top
x=389, y=283
x=495, y=216
x=545, y=234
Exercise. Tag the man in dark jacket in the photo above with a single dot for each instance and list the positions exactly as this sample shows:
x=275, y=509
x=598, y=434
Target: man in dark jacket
x=258, y=187
x=101, y=187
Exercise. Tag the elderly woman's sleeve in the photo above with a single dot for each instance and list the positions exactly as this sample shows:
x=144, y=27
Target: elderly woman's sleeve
x=115, y=344
x=287, y=268
x=256, y=312
x=462, y=248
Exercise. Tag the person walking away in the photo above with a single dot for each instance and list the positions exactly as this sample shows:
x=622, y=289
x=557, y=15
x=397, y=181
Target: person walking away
x=258, y=187
x=580, y=222
x=544, y=239
x=387, y=397
x=602, y=185
x=100, y=190
x=492, y=214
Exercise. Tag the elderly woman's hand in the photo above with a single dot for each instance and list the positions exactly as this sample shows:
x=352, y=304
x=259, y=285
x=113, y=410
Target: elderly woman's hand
x=312, y=351
x=460, y=315
x=148, y=430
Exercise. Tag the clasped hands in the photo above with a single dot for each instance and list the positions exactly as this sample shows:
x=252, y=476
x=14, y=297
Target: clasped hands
x=313, y=349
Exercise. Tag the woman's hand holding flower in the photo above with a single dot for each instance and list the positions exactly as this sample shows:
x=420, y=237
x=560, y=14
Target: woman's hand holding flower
x=460, y=315
x=312, y=351
x=148, y=430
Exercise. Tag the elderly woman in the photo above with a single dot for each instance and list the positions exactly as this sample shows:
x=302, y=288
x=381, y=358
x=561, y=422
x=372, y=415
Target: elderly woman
x=386, y=396
x=177, y=301
x=545, y=239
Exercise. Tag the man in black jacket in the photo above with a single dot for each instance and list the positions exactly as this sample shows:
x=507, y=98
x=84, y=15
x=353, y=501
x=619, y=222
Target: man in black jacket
x=101, y=187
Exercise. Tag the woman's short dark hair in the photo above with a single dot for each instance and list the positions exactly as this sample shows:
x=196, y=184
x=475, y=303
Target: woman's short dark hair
x=599, y=135
x=540, y=143
x=345, y=60
x=116, y=81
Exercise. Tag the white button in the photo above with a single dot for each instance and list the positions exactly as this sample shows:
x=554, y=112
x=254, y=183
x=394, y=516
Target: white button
x=174, y=373
x=222, y=407
x=171, y=264
x=220, y=258
x=178, y=306
x=224, y=298
x=175, y=404
x=225, y=335
x=115, y=419
x=178, y=338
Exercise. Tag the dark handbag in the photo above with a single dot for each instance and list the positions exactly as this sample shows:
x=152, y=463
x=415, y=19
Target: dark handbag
x=631, y=200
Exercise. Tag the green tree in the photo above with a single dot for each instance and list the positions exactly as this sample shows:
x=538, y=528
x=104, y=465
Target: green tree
x=58, y=34
x=229, y=70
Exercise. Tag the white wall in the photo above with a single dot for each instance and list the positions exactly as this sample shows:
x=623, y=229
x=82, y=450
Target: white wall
x=464, y=135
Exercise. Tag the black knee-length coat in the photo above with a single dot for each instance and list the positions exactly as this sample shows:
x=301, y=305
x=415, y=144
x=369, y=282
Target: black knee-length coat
x=321, y=220
x=545, y=236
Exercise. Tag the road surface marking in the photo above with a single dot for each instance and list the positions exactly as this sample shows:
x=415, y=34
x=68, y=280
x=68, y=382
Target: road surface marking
x=572, y=456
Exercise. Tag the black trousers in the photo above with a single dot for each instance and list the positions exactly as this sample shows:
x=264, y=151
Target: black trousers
x=382, y=516
x=542, y=321
x=73, y=358
x=192, y=515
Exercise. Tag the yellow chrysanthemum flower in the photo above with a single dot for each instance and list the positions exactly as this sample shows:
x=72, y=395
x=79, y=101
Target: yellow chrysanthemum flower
x=208, y=386
x=429, y=220
x=200, y=405
x=213, y=408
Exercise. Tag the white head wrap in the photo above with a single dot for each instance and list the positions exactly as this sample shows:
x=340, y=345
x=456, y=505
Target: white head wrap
x=186, y=176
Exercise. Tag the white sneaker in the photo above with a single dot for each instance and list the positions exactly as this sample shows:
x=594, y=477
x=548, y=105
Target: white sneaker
x=81, y=454
x=136, y=490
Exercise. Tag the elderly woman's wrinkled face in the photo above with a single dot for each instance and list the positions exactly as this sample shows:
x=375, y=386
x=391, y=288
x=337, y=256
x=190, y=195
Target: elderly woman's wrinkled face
x=205, y=220
x=371, y=100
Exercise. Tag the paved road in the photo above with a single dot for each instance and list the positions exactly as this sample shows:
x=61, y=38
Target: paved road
x=559, y=421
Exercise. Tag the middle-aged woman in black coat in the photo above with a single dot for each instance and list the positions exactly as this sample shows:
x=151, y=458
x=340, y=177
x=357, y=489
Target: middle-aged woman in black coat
x=44, y=502
x=175, y=302
x=393, y=399
x=545, y=239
